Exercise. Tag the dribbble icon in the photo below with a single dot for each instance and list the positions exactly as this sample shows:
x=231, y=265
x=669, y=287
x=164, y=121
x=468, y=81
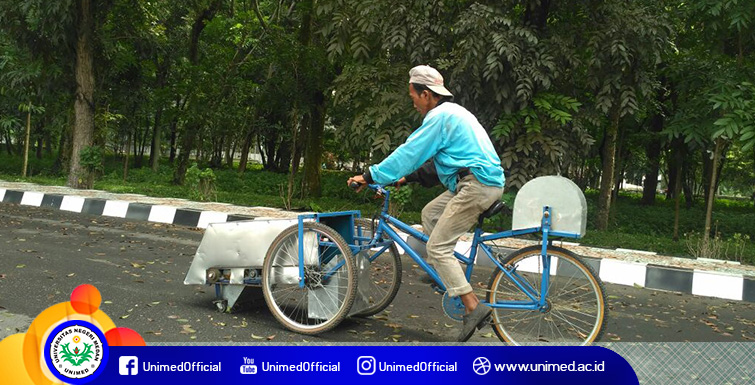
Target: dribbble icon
x=366, y=365
x=128, y=365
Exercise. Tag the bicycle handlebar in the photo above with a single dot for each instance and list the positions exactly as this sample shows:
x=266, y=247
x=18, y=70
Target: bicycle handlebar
x=376, y=187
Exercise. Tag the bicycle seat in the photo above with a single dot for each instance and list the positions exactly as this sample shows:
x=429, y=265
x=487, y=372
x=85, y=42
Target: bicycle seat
x=494, y=209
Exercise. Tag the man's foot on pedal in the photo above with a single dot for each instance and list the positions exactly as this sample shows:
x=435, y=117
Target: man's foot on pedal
x=475, y=320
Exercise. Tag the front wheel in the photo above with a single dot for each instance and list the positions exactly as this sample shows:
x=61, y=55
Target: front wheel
x=330, y=279
x=576, y=311
x=384, y=271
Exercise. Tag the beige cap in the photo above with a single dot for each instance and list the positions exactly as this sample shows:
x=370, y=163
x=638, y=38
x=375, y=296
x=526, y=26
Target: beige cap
x=430, y=77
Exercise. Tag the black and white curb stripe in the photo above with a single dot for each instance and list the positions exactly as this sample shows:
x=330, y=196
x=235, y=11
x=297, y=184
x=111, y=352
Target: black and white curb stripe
x=119, y=209
x=697, y=282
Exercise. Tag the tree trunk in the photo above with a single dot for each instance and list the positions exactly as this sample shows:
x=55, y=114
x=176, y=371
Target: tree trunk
x=83, y=131
x=712, y=189
x=299, y=149
x=721, y=163
x=291, y=174
x=157, y=136
x=245, y=148
x=677, y=162
x=143, y=143
x=173, y=134
x=135, y=143
x=689, y=196
x=261, y=151
x=192, y=128
x=653, y=152
x=64, y=148
x=125, y=157
x=154, y=150
x=707, y=173
x=187, y=145
x=618, y=173
x=26, y=142
x=228, y=152
x=606, y=180
x=313, y=154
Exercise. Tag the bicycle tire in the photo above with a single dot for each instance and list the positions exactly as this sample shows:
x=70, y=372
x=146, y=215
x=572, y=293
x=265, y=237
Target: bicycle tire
x=293, y=306
x=384, y=287
x=582, y=292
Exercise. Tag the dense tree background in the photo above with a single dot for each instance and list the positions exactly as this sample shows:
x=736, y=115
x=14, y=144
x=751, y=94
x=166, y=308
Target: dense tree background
x=599, y=91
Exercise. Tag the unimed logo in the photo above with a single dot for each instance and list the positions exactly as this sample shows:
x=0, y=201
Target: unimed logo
x=128, y=365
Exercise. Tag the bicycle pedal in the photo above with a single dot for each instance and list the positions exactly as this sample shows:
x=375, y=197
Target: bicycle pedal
x=487, y=321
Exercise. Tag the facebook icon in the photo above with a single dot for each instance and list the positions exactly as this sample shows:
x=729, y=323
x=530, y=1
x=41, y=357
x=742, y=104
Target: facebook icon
x=128, y=365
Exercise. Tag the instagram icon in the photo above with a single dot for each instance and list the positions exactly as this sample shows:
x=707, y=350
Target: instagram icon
x=366, y=365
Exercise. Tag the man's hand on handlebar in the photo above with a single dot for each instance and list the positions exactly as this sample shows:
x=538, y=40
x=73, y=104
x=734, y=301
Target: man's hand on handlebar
x=357, y=182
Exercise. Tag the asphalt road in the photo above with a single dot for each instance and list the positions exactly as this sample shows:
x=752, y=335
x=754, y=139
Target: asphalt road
x=139, y=269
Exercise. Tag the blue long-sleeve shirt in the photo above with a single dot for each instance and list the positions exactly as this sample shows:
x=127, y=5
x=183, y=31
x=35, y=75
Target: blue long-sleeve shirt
x=454, y=138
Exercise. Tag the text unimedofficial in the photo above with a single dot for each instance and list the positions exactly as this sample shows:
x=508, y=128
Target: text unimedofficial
x=182, y=367
x=306, y=366
x=422, y=366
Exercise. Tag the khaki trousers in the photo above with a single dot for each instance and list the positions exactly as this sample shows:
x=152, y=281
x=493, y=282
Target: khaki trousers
x=445, y=219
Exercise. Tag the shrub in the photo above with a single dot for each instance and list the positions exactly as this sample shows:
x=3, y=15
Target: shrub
x=201, y=183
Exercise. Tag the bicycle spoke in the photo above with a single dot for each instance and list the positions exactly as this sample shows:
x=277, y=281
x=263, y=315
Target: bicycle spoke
x=574, y=305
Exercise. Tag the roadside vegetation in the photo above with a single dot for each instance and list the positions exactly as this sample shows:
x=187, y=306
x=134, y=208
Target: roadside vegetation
x=633, y=226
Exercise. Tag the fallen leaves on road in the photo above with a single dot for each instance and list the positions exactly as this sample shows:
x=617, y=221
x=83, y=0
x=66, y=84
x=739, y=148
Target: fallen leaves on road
x=613, y=337
x=243, y=324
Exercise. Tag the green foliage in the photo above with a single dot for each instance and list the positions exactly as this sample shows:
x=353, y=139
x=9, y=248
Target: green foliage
x=400, y=197
x=735, y=103
x=201, y=183
x=92, y=158
x=545, y=78
x=735, y=248
x=541, y=139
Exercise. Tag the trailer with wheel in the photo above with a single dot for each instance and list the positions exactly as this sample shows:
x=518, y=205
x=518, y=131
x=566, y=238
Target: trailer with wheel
x=311, y=270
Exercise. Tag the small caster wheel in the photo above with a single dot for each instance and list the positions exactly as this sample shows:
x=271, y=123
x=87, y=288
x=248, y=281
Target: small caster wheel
x=221, y=305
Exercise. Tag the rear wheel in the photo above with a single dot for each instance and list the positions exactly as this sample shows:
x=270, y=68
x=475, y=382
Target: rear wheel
x=330, y=279
x=384, y=271
x=576, y=310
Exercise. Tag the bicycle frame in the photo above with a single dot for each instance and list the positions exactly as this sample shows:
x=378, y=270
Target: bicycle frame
x=537, y=300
